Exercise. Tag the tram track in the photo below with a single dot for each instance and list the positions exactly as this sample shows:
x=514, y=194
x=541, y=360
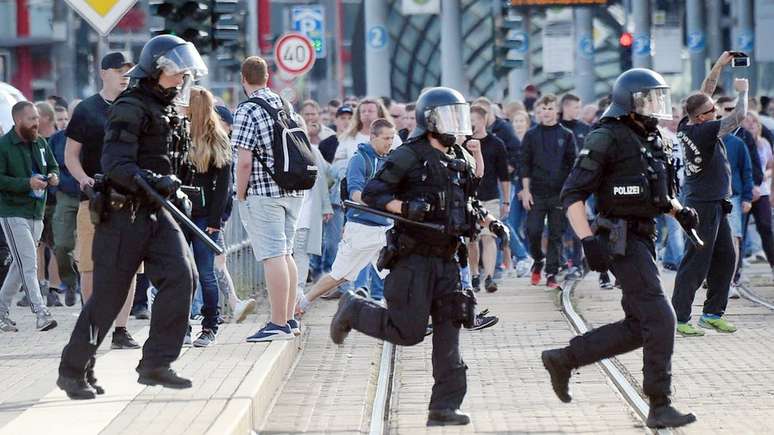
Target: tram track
x=611, y=370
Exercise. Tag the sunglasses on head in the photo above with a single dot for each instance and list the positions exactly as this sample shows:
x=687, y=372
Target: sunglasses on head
x=728, y=109
x=709, y=111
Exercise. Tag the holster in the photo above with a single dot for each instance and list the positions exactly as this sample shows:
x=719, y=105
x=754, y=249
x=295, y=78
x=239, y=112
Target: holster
x=613, y=233
x=458, y=307
x=389, y=254
x=726, y=206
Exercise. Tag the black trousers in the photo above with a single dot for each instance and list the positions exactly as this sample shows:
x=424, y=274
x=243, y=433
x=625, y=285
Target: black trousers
x=715, y=262
x=649, y=321
x=761, y=210
x=410, y=288
x=119, y=247
x=542, y=207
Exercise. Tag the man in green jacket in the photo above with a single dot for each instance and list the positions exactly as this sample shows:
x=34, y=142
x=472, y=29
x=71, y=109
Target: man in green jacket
x=27, y=168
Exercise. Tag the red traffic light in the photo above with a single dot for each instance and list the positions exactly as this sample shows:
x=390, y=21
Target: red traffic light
x=626, y=39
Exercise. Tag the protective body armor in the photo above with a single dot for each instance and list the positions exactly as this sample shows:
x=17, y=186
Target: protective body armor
x=445, y=183
x=637, y=182
x=155, y=136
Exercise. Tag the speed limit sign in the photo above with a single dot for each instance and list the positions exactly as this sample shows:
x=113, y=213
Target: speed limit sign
x=294, y=53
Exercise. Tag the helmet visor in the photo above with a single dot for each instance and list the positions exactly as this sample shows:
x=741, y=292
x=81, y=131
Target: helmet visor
x=653, y=103
x=183, y=96
x=452, y=119
x=183, y=58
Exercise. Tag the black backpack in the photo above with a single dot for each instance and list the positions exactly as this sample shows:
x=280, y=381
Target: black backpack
x=294, y=164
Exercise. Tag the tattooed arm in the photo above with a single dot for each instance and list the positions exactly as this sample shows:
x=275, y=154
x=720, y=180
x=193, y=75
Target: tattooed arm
x=711, y=81
x=734, y=119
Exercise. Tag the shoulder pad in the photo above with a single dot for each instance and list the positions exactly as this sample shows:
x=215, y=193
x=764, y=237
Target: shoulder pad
x=125, y=120
x=398, y=163
x=599, y=140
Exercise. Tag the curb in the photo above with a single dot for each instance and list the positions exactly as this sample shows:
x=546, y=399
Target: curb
x=247, y=409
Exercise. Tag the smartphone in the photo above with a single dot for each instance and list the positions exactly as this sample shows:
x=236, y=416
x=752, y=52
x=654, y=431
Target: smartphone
x=740, y=60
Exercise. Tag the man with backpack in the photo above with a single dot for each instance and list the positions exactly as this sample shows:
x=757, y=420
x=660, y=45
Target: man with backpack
x=364, y=233
x=275, y=165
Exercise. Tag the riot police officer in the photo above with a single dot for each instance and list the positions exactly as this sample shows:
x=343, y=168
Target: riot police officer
x=627, y=166
x=138, y=136
x=430, y=179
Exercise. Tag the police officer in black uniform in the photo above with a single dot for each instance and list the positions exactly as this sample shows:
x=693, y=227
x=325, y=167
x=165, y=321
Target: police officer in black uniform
x=627, y=166
x=430, y=179
x=138, y=136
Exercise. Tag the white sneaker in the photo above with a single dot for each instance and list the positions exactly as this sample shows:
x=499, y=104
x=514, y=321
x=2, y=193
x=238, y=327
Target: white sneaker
x=243, y=309
x=523, y=267
x=733, y=292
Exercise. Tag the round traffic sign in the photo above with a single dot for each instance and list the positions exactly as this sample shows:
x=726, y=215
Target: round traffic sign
x=294, y=53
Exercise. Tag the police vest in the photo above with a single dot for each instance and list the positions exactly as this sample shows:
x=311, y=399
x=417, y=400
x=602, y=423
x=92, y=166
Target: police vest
x=155, y=136
x=636, y=179
x=446, y=183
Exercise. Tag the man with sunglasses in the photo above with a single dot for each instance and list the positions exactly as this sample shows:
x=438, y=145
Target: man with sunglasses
x=707, y=190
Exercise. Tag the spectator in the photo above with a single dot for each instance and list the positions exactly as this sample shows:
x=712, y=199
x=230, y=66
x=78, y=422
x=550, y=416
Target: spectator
x=503, y=130
x=83, y=152
x=351, y=101
x=316, y=209
x=521, y=123
x=239, y=308
x=211, y=157
x=589, y=114
x=741, y=193
x=55, y=100
x=548, y=155
x=409, y=122
x=364, y=233
x=316, y=130
x=329, y=112
x=511, y=108
x=61, y=117
x=65, y=216
x=398, y=112
x=360, y=130
x=707, y=189
x=27, y=168
x=329, y=145
x=531, y=94
x=268, y=212
x=570, y=107
x=761, y=207
x=494, y=191
x=673, y=240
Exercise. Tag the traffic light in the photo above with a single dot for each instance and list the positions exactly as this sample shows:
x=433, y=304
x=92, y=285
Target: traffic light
x=190, y=20
x=225, y=28
x=625, y=50
x=510, y=42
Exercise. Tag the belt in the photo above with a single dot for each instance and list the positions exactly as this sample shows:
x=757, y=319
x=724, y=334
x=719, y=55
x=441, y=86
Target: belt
x=410, y=246
x=646, y=228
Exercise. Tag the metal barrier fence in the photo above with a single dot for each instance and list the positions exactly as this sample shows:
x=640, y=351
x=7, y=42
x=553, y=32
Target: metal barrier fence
x=245, y=271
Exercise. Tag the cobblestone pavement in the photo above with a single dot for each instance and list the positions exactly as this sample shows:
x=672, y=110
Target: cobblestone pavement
x=508, y=389
x=727, y=380
x=330, y=390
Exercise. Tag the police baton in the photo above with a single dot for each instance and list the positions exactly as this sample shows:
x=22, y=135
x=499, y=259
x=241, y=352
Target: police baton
x=177, y=214
x=397, y=217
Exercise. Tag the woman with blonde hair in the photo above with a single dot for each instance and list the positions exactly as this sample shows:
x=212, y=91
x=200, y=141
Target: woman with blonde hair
x=521, y=122
x=366, y=112
x=211, y=158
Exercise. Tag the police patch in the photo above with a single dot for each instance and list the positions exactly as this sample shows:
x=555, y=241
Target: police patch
x=626, y=190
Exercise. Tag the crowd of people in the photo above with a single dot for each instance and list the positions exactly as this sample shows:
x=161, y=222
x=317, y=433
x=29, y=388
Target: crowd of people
x=526, y=150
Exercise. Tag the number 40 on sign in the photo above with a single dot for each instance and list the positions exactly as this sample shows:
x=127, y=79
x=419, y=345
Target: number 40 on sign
x=294, y=53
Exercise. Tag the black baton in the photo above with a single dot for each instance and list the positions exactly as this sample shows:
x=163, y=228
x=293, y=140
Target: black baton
x=178, y=215
x=399, y=218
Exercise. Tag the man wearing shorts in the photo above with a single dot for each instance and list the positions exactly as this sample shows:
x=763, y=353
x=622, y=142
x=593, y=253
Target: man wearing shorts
x=268, y=212
x=364, y=233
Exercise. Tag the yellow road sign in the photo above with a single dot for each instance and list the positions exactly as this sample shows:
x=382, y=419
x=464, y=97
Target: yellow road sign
x=102, y=15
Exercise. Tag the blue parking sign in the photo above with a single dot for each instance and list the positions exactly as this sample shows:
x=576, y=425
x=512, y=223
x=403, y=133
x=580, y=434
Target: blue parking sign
x=310, y=22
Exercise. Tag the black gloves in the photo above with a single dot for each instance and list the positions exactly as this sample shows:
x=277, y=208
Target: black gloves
x=415, y=210
x=501, y=231
x=688, y=218
x=597, y=254
x=166, y=185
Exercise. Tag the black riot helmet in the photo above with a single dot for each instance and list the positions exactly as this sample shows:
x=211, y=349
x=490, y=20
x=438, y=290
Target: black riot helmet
x=172, y=55
x=442, y=111
x=640, y=91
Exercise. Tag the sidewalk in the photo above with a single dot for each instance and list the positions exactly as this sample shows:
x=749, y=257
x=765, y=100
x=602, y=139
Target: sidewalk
x=727, y=380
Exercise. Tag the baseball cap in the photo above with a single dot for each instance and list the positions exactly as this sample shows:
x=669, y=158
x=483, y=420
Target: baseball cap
x=115, y=60
x=225, y=114
x=343, y=110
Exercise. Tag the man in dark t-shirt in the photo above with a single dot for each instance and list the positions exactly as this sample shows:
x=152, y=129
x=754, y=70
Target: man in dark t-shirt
x=707, y=189
x=495, y=170
x=83, y=151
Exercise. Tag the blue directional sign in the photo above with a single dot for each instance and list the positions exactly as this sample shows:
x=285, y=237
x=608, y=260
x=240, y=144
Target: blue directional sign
x=310, y=22
x=641, y=45
x=745, y=41
x=378, y=37
x=586, y=46
x=696, y=42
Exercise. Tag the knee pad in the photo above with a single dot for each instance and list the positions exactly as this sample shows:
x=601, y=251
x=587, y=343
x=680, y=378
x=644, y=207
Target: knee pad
x=458, y=307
